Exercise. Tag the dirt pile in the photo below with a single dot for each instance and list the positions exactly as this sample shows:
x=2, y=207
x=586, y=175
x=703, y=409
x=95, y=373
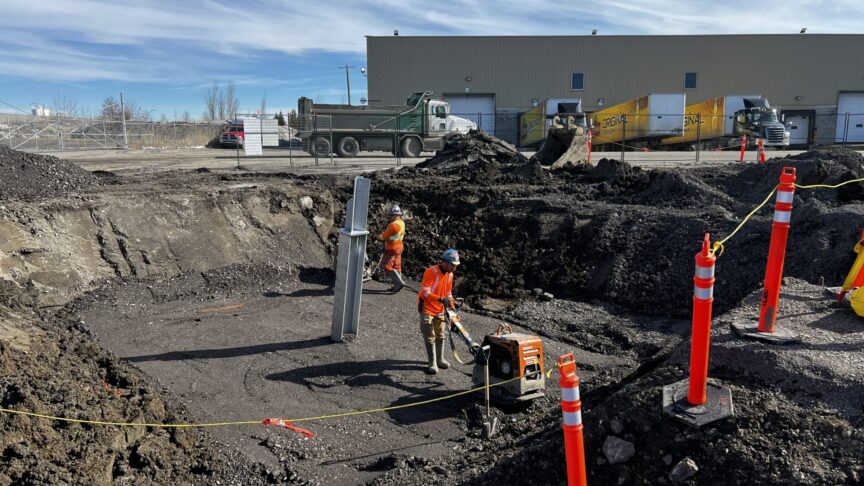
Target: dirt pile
x=822, y=166
x=26, y=175
x=616, y=232
x=480, y=157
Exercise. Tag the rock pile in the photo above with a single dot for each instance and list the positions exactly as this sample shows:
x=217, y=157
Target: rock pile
x=25, y=175
x=464, y=150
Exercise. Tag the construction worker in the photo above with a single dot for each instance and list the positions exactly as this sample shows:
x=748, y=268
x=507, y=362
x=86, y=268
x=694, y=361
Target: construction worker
x=855, y=299
x=392, y=238
x=436, y=290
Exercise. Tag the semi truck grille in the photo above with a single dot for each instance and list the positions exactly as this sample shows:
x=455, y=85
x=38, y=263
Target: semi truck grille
x=774, y=134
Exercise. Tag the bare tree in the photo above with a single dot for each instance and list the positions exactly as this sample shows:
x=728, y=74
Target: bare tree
x=65, y=105
x=211, y=103
x=186, y=117
x=232, y=104
x=110, y=109
x=264, y=104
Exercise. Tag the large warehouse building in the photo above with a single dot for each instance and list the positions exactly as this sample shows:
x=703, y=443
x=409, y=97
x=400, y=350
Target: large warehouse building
x=813, y=80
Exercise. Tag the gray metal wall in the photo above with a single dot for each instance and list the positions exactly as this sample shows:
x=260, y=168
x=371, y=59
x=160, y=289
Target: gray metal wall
x=811, y=67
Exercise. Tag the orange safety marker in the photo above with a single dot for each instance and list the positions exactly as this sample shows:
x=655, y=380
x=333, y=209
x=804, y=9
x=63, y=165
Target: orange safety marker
x=768, y=329
x=703, y=302
x=571, y=410
x=588, y=140
x=281, y=422
x=695, y=408
x=761, y=151
x=743, y=147
x=855, y=278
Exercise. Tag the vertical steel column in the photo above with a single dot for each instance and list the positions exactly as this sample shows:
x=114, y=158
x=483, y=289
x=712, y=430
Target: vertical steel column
x=349, y=264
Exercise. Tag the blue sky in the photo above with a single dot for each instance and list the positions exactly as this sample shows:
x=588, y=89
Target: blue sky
x=163, y=55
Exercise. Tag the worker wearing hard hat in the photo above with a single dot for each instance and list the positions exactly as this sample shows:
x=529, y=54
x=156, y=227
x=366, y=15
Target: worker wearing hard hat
x=436, y=290
x=855, y=299
x=392, y=238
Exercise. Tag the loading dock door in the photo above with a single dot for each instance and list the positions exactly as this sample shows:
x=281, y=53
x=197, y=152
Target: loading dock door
x=799, y=127
x=479, y=108
x=850, y=128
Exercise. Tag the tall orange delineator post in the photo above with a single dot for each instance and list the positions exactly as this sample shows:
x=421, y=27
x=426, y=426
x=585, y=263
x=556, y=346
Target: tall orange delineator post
x=761, y=151
x=743, y=147
x=695, y=401
x=700, y=340
x=767, y=330
x=571, y=410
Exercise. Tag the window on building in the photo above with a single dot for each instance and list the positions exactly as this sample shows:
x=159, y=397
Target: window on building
x=689, y=80
x=577, y=82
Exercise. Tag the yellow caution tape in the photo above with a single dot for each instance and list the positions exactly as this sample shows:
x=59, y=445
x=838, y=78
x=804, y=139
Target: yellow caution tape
x=251, y=422
x=718, y=247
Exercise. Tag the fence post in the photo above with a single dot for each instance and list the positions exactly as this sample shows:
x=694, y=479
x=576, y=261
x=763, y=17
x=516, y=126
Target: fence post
x=479, y=120
x=398, y=141
x=315, y=137
x=767, y=330
x=698, y=135
x=332, y=147
x=846, y=130
x=623, y=134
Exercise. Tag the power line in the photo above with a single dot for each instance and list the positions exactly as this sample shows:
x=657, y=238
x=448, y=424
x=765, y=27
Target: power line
x=15, y=107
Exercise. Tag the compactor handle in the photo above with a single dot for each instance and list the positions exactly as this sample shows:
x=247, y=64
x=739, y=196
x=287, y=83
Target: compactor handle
x=502, y=327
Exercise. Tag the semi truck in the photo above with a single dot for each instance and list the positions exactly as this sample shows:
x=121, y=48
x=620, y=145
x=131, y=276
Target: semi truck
x=639, y=120
x=422, y=124
x=534, y=124
x=722, y=121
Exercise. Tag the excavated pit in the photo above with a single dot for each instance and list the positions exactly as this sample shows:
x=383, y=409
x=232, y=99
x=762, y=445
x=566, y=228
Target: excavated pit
x=214, y=289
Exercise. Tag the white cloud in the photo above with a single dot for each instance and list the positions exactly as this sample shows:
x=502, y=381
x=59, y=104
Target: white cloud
x=68, y=39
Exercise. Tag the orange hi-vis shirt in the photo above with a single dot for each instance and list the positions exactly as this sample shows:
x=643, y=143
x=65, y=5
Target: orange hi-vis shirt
x=436, y=285
x=393, y=235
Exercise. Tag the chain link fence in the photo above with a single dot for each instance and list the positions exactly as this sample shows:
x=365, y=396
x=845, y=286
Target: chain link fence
x=41, y=133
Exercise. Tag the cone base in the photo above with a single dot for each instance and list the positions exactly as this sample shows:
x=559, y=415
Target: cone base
x=718, y=405
x=781, y=335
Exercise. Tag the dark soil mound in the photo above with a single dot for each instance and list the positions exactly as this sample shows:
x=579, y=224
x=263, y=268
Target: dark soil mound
x=822, y=166
x=481, y=158
x=26, y=175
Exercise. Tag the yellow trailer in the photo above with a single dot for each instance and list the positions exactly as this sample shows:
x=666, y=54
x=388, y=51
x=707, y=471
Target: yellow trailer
x=650, y=116
x=713, y=117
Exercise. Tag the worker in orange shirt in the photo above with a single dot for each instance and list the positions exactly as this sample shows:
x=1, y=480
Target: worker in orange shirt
x=436, y=290
x=392, y=238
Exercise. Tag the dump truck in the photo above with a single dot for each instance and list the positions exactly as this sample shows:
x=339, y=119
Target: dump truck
x=422, y=124
x=639, y=120
x=535, y=123
x=722, y=121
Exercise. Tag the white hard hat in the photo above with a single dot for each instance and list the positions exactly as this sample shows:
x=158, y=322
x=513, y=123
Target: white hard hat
x=395, y=209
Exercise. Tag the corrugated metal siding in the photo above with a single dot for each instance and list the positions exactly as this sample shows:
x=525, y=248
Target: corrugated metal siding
x=618, y=68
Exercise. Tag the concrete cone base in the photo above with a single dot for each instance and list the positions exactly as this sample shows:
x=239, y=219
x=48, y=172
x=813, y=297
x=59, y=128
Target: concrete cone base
x=717, y=407
x=780, y=335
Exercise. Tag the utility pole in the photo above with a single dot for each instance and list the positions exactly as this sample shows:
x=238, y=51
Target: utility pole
x=347, y=80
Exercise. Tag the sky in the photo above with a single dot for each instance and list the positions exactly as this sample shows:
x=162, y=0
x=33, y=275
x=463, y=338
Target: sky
x=164, y=55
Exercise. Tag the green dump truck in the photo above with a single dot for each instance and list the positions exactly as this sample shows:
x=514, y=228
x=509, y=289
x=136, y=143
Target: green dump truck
x=422, y=124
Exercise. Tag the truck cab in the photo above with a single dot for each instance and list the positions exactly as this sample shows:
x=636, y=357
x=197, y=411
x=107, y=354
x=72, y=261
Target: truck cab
x=442, y=124
x=759, y=120
x=233, y=136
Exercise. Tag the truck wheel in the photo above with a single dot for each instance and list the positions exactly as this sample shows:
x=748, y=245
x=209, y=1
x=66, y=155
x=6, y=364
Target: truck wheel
x=411, y=147
x=348, y=147
x=322, y=147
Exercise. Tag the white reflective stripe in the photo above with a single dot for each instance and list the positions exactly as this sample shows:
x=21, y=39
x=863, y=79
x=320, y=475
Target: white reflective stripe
x=570, y=394
x=704, y=272
x=395, y=238
x=572, y=418
x=703, y=294
x=782, y=216
x=785, y=196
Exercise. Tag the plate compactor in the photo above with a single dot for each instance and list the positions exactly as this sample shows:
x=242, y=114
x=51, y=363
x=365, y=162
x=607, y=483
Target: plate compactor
x=514, y=358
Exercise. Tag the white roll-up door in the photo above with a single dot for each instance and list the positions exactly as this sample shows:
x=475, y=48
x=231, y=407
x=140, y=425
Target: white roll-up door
x=850, y=128
x=479, y=108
